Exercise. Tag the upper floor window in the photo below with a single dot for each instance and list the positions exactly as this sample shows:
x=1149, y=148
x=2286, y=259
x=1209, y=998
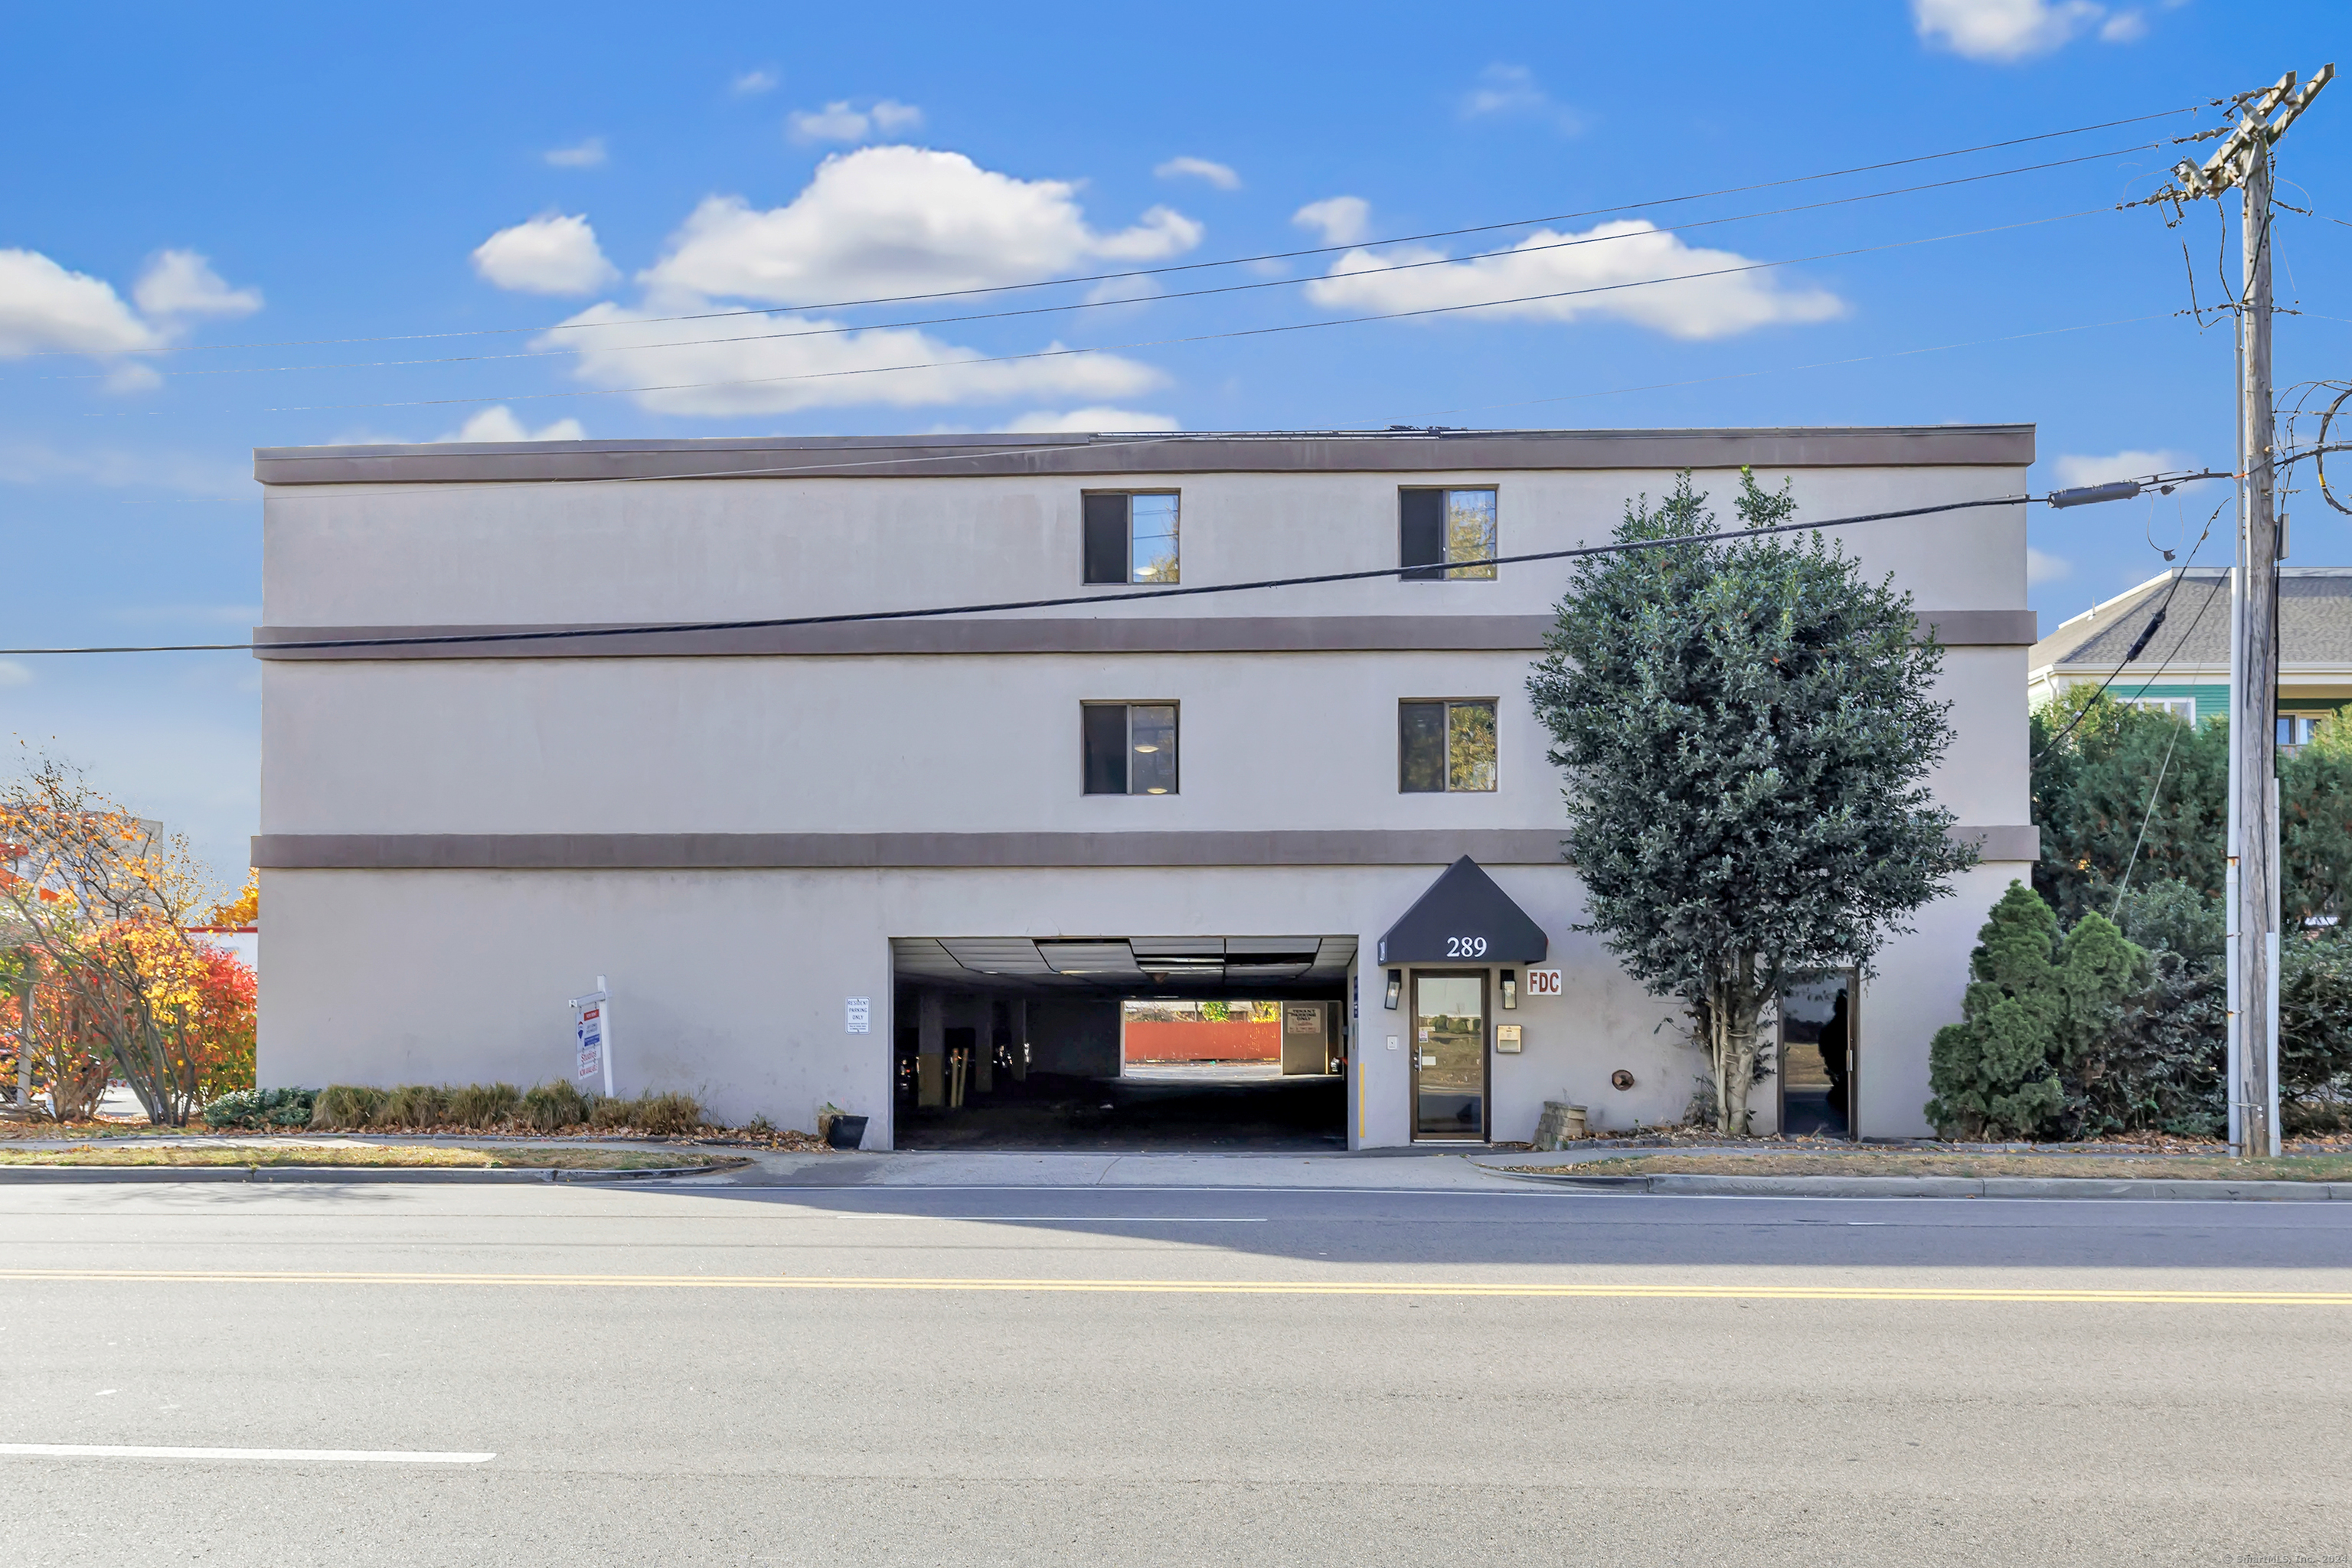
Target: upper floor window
x=1131, y=747
x=1131, y=537
x=2181, y=708
x=1445, y=747
x=1439, y=529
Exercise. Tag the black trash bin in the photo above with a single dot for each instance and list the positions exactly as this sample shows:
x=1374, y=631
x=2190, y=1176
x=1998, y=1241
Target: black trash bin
x=845, y=1132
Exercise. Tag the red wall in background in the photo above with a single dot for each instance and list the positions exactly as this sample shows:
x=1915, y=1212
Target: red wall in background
x=1155, y=1041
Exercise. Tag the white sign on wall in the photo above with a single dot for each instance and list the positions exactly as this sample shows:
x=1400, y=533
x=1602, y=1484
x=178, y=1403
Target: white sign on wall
x=860, y=1012
x=1543, y=981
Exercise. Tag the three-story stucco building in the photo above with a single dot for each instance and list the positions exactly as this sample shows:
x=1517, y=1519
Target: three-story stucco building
x=900, y=865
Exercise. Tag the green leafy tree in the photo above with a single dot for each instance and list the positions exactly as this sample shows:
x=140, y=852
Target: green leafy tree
x=2035, y=1008
x=2315, y=825
x=2160, y=1065
x=1745, y=728
x=2099, y=780
x=2093, y=790
x=2316, y=1031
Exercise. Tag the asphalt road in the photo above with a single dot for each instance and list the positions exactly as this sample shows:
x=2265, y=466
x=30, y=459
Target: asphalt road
x=1167, y=1377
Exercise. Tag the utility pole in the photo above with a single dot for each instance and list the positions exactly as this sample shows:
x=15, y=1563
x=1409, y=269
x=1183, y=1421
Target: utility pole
x=2243, y=159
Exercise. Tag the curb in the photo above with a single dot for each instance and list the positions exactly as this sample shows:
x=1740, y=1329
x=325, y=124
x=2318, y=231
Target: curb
x=39, y=1174
x=2075, y=1187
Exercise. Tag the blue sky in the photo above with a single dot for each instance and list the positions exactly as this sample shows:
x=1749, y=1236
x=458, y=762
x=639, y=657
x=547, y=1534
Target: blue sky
x=437, y=184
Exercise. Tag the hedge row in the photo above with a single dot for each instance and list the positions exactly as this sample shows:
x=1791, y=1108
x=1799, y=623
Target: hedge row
x=555, y=1107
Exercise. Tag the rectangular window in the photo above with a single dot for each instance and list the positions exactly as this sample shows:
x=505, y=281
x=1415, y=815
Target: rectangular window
x=1439, y=529
x=1131, y=747
x=1445, y=747
x=2181, y=708
x=1131, y=537
x=2295, y=729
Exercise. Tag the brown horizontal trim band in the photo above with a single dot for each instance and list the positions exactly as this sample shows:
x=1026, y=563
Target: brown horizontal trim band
x=1084, y=635
x=965, y=457
x=869, y=851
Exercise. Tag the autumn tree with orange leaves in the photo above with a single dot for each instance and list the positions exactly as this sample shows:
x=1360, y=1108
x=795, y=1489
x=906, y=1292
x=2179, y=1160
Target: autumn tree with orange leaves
x=96, y=903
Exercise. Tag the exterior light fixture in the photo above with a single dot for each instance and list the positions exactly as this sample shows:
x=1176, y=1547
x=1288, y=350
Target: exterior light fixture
x=1510, y=989
x=1396, y=989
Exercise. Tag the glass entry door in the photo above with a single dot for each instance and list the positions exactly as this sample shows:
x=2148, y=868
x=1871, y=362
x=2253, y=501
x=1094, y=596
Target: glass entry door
x=1449, y=1059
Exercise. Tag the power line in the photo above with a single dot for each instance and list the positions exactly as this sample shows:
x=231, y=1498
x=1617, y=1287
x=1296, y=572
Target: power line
x=866, y=616
x=1107, y=304
x=1172, y=268
x=2147, y=632
x=1818, y=365
x=1190, y=338
x=430, y=449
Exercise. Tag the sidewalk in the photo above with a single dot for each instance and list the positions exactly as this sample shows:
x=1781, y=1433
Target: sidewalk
x=1374, y=1170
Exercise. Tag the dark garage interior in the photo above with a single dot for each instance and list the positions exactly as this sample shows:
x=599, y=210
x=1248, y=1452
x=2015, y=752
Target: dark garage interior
x=1121, y=1044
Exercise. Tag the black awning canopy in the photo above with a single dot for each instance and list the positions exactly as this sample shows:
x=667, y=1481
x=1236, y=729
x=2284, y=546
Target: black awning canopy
x=1465, y=918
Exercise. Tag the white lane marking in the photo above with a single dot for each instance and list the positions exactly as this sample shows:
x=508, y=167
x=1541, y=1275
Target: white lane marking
x=333, y=1456
x=1077, y=1218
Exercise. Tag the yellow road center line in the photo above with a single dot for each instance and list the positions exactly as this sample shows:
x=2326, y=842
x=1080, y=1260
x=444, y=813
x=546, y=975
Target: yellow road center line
x=1206, y=1287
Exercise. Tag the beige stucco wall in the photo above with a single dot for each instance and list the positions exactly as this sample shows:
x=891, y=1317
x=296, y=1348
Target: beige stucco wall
x=731, y=983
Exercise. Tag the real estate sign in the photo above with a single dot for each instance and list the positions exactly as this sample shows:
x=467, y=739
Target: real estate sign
x=592, y=1034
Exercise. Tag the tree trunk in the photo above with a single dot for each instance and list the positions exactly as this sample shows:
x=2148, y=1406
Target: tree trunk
x=1735, y=1008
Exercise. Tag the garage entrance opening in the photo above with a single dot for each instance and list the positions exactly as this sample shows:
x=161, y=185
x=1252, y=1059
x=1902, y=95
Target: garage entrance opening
x=1134, y=1044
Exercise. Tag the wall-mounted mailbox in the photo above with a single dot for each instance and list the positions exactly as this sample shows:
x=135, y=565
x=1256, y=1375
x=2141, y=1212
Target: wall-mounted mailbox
x=1506, y=1038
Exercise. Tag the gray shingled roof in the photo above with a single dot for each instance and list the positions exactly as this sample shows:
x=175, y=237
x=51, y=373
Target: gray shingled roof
x=2314, y=623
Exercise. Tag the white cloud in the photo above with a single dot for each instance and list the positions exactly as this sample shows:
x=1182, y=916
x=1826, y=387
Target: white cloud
x=130, y=375
x=1632, y=252
x=1218, y=175
x=900, y=220
x=2123, y=27
x=833, y=123
x=752, y=83
x=837, y=121
x=44, y=309
x=14, y=674
x=499, y=423
x=550, y=255
x=1081, y=421
x=1340, y=220
x=2043, y=567
x=180, y=283
x=779, y=374
x=588, y=154
x=2075, y=468
x=1505, y=92
x=2003, y=31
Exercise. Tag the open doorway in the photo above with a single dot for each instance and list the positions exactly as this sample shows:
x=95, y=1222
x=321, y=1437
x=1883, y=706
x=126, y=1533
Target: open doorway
x=1132, y=1044
x=1817, y=1055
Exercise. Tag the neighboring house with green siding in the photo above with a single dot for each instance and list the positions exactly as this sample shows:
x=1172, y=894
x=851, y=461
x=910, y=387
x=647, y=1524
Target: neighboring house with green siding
x=2185, y=668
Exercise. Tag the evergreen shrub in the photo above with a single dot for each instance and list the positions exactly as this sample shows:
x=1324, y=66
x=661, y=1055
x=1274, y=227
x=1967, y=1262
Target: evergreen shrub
x=2038, y=1004
x=2315, y=1032
x=257, y=1109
